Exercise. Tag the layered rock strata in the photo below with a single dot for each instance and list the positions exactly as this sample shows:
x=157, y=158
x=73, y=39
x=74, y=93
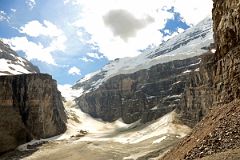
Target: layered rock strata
x=147, y=94
x=30, y=108
x=219, y=131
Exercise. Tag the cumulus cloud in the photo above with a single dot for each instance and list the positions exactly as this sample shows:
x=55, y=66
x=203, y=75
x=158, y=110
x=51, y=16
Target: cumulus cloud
x=95, y=55
x=35, y=28
x=74, y=71
x=124, y=24
x=37, y=50
x=30, y=3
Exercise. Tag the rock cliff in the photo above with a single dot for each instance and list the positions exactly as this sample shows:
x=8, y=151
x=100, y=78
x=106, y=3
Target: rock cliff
x=219, y=131
x=147, y=94
x=30, y=108
x=198, y=96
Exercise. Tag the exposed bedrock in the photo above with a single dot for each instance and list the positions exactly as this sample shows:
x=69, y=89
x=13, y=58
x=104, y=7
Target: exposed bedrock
x=147, y=94
x=30, y=108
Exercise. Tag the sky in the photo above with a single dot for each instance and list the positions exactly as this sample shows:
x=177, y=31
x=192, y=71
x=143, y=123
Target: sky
x=71, y=38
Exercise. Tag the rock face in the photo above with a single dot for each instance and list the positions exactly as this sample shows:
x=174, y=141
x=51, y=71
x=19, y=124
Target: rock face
x=30, y=107
x=226, y=16
x=199, y=93
x=147, y=94
x=219, y=130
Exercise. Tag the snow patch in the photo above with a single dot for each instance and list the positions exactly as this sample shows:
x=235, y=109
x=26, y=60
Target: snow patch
x=196, y=70
x=187, y=71
x=213, y=50
x=154, y=108
x=7, y=66
x=175, y=96
x=136, y=132
x=68, y=93
x=159, y=140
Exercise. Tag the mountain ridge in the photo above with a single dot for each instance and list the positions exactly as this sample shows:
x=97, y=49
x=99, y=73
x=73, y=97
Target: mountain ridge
x=194, y=41
x=12, y=63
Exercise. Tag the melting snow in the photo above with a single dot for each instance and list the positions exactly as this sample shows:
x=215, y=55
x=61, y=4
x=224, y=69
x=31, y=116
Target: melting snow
x=136, y=132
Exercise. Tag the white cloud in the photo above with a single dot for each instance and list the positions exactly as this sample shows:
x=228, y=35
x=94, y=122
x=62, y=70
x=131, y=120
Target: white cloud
x=48, y=29
x=193, y=11
x=115, y=42
x=37, y=50
x=36, y=29
x=180, y=30
x=74, y=71
x=85, y=59
x=95, y=55
x=66, y=1
x=13, y=10
x=3, y=16
x=30, y=3
x=167, y=31
x=31, y=49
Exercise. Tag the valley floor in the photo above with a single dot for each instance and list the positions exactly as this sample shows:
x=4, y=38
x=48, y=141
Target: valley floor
x=106, y=141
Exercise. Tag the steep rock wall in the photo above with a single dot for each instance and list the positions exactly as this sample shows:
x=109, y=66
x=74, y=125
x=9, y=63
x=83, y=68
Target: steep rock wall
x=219, y=130
x=146, y=94
x=226, y=17
x=30, y=107
x=199, y=94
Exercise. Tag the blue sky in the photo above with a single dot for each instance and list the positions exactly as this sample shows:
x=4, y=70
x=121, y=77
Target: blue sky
x=71, y=38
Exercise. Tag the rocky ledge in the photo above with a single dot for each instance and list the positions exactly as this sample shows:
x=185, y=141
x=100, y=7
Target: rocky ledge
x=30, y=108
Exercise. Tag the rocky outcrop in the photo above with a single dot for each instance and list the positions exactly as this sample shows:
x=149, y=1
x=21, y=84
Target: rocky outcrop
x=30, y=108
x=147, y=94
